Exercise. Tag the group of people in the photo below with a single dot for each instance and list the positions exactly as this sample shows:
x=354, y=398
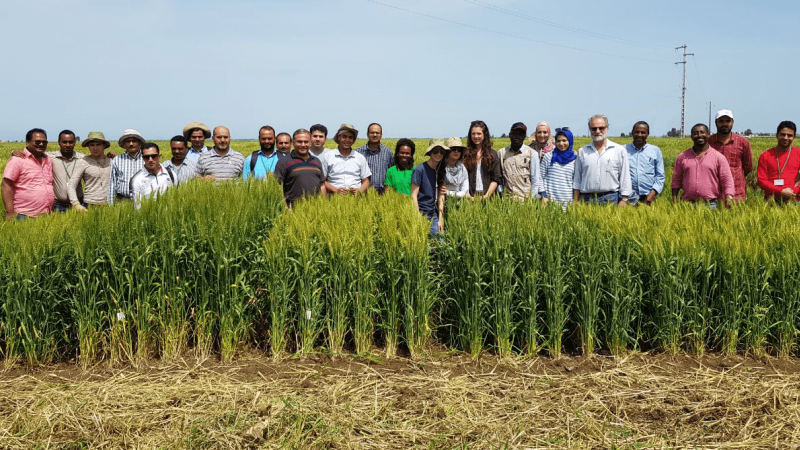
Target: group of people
x=548, y=168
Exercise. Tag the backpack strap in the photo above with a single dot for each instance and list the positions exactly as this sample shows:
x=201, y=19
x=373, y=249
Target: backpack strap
x=253, y=161
x=171, y=175
x=130, y=183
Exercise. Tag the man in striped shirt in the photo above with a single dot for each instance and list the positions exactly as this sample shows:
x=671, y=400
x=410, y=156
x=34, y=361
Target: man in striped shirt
x=379, y=157
x=183, y=167
x=125, y=166
x=221, y=163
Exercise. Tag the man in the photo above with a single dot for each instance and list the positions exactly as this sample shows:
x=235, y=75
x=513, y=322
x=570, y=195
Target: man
x=263, y=161
x=284, y=143
x=379, y=157
x=27, y=186
x=153, y=179
x=520, y=165
x=601, y=169
x=319, y=134
x=64, y=161
x=196, y=133
x=736, y=150
x=779, y=166
x=221, y=163
x=700, y=171
x=346, y=172
x=300, y=173
x=125, y=166
x=183, y=167
x=646, y=165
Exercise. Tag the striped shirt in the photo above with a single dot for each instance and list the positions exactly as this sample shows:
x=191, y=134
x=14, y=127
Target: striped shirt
x=186, y=171
x=123, y=168
x=378, y=161
x=221, y=168
x=557, y=180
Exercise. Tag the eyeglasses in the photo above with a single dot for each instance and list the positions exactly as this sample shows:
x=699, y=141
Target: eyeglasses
x=597, y=128
x=150, y=156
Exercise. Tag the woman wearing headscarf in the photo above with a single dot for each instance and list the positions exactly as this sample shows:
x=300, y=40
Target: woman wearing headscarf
x=558, y=168
x=541, y=139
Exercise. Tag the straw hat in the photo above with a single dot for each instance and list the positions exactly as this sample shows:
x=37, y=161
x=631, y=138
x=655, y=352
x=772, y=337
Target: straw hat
x=436, y=142
x=95, y=136
x=196, y=125
x=342, y=129
x=131, y=133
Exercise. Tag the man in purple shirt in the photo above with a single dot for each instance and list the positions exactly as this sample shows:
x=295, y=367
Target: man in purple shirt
x=700, y=171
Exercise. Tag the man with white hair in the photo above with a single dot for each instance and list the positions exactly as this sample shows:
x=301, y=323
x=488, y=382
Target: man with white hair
x=602, y=174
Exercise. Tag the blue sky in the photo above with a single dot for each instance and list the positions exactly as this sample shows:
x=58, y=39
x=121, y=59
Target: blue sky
x=425, y=69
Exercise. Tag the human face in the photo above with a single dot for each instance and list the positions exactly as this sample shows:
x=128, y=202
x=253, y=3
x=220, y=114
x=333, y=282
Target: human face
x=476, y=135
x=640, y=134
x=598, y=128
x=96, y=149
x=198, y=139
x=436, y=155
x=151, y=159
x=67, y=144
x=454, y=156
x=132, y=146
x=517, y=137
x=542, y=135
x=699, y=136
x=302, y=142
x=222, y=138
x=724, y=125
x=562, y=143
x=785, y=138
x=178, y=151
x=37, y=145
x=267, y=140
x=346, y=139
x=374, y=134
x=318, y=140
x=404, y=155
x=284, y=143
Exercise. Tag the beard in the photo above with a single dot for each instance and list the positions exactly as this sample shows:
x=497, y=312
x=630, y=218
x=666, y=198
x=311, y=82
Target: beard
x=598, y=138
x=267, y=148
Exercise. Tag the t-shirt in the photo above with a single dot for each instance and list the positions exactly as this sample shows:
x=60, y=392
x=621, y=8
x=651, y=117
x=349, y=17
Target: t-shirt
x=425, y=177
x=399, y=180
x=300, y=178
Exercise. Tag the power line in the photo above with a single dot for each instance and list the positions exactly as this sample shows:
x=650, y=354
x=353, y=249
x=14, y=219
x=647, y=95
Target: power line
x=513, y=35
x=563, y=27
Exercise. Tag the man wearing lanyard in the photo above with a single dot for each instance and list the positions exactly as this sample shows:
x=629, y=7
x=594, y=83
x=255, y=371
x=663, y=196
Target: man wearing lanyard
x=263, y=161
x=778, y=167
x=64, y=162
x=153, y=179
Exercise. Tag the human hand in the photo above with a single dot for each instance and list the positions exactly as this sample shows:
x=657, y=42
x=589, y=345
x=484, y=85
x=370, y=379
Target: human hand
x=78, y=207
x=787, y=193
x=545, y=200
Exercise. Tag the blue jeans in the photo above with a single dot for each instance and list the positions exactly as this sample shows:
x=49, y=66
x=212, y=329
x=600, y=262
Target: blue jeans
x=60, y=208
x=434, y=218
x=712, y=204
x=601, y=198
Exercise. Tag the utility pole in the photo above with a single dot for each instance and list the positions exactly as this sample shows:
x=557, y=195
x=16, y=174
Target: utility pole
x=709, y=115
x=683, y=91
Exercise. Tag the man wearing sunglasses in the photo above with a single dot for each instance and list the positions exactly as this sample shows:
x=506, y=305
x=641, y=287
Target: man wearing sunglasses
x=153, y=179
x=602, y=174
x=27, y=186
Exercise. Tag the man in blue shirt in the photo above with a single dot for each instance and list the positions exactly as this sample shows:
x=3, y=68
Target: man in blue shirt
x=263, y=161
x=646, y=165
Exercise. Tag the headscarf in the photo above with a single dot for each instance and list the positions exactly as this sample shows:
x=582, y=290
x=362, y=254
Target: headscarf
x=549, y=145
x=564, y=157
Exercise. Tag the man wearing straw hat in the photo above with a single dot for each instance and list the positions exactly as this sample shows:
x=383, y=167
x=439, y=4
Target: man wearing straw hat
x=94, y=170
x=346, y=172
x=520, y=165
x=196, y=133
x=125, y=166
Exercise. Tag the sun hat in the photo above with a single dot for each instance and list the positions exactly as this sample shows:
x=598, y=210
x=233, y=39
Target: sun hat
x=131, y=133
x=436, y=142
x=196, y=125
x=342, y=129
x=95, y=136
x=455, y=143
x=723, y=113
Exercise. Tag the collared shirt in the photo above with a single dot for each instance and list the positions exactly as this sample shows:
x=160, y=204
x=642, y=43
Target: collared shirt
x=33, y=183
x=145, y=184
x=221, y=168
x=647, y=169
x=194, y=155
x=770, y=163
x=183, y=173
x=700, y=178
x=378, y=161
x=320, y=154
x=264, y=164
x=557, y=179
x=63, y=170
x=123, y=168
x=520, y=172
x=740, y=160
x=602, y=172
x=95, y=175
x=345, y=172
x=300, y=178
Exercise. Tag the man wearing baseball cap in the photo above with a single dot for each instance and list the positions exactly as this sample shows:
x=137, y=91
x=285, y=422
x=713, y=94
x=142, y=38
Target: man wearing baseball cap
x=125, y=166
x=520, y=165
x=346, y=172
x=736, y=150
x=196, y=133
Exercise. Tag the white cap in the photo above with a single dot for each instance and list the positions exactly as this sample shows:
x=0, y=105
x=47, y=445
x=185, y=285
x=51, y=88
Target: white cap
x=723, y=113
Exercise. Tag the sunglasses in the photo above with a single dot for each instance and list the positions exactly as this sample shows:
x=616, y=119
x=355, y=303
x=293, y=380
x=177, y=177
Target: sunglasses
x=39, y=143
x=436, y=151
x=597, y=128
x=146, y=157
x=558, y=130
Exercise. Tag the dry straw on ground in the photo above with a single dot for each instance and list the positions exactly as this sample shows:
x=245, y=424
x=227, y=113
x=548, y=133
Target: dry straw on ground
x=642, y=401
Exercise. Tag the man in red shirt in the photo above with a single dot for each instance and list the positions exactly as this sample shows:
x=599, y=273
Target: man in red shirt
x=736, y=150
x=702, y=172
x=778, y=167
x=27, y=186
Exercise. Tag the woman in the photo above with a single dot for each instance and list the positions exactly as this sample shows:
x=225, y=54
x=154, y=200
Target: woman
x=398, y=176
x=425, y=185
x=482, y=163
x=456, y=179
x=541, y=139
x=557, y=168
x=94, y=170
